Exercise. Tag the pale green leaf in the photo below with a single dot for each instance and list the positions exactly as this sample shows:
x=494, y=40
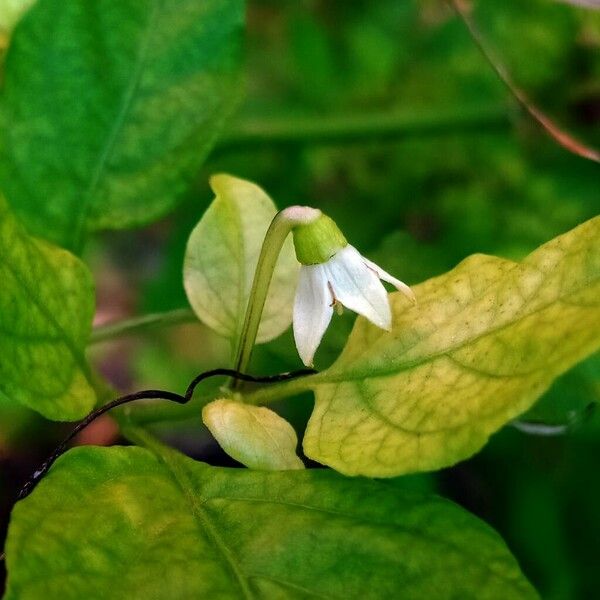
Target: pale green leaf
x=123, y=523
x=221, y=258
x=254, y=435
x=11, y=12
x=110, y=107
x=46, y=311
x=485, y=341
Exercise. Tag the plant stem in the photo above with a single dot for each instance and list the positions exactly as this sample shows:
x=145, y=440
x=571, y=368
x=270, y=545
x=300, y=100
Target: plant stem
x=278, y=391
x=346, y=128
x=279, y=229
x=330, y=129
x=139, y=324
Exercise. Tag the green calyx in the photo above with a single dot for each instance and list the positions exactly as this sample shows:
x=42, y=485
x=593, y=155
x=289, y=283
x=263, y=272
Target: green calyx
x=318, y=241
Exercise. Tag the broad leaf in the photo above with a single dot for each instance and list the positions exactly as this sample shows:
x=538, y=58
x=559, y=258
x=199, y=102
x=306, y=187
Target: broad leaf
x=111, y=107
x=485, y=341
x=124, y=523
x=221, y=258
x=46, y=311
x=254, y=435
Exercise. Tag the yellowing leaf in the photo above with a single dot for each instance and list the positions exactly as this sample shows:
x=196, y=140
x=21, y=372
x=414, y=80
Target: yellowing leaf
x=46, y=311
x=221, y=258
x=254, y=435
x=485, y=341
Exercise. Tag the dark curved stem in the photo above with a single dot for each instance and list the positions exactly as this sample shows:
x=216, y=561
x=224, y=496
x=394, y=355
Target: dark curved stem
x=244, y=377
x=146, y=394
x=149, y=395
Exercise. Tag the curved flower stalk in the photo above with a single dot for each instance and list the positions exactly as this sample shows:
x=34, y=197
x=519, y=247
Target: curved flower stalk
x=335, y=275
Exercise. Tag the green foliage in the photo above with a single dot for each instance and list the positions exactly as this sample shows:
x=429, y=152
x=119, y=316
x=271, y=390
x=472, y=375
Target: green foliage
x=107, y=117
x=385, y=116
x=486, y=340
x=221, y=258
x=254, y=435
x=165, y=526
x=46, y=310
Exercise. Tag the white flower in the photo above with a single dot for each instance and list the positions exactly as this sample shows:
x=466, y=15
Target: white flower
x=347, y=279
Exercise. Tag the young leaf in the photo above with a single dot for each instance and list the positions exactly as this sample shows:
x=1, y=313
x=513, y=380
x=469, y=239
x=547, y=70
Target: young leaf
x=254, y=435
x=485, y=341
x=46, y=311
x=110, y=107
x=221, y=258
x=128, y=524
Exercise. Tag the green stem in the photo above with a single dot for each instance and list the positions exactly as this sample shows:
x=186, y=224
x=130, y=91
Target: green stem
x=139, y=324
x=279, y=229
x=333, y=128
x=278, y=391
x=352, y=127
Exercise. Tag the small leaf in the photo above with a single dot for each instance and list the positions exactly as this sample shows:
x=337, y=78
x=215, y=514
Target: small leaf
x=254, y=435
x=221, y=258
x=123, y=523
x=46, y=311
x=110, y=107
x=485, y=341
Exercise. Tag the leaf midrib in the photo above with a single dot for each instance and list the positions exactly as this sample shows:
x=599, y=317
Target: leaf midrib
x=200, y=514
x=109, y=145
x=326, y=377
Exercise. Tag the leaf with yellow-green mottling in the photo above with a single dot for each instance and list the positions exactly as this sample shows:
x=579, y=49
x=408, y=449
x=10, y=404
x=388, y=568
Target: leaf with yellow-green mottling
x=485, y=341
x=125, y=523
x=46, y=311
x=109, y=108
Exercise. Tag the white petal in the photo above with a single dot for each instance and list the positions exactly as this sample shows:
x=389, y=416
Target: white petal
x=399, y=285
x=358, y=287
x=312, y=311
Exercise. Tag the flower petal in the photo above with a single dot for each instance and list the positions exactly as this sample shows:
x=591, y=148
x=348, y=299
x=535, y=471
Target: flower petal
x=358, y=287
x=399, y=285
x=312, y=311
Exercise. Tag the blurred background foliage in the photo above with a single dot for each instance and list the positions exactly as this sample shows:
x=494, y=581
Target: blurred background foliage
x=385, y=115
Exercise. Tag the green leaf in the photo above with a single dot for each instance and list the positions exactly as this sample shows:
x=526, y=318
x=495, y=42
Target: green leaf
x=485, y=341
x=221, y=258
x=111, y=107
x=124, y=523
x=46, y=311
x=254, y=435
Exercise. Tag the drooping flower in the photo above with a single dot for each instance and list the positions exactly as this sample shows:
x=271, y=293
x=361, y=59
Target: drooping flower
x=334, y=274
